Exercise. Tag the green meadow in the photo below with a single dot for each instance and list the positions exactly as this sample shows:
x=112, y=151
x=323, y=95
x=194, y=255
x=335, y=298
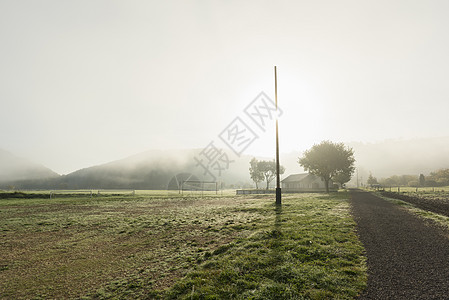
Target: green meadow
x=155, y=245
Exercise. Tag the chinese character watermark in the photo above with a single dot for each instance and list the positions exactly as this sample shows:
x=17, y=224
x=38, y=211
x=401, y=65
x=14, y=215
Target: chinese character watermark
x=262, y=110
x=212, y=159
x=238, y=136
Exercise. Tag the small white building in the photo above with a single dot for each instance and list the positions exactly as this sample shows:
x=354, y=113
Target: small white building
x=304, y=183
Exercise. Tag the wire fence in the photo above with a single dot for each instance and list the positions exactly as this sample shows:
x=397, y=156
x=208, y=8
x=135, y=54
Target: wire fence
x=409, y=189
x=91, y=193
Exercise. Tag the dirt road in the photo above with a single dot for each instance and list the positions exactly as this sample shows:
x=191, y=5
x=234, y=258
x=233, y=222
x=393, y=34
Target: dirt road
x=407, y=257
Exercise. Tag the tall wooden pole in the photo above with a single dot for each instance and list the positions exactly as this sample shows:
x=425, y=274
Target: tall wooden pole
x=278, y=176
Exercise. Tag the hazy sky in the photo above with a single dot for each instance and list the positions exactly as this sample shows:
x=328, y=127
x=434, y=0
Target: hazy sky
x=87, y=82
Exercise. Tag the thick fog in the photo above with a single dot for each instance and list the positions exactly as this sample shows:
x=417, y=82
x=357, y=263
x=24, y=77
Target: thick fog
x=87, y=82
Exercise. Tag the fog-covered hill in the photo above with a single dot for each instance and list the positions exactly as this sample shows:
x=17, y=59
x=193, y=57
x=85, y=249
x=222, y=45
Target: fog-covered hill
x=13, y=168
x=154, y=169
x=399, y=157
x=148, y=170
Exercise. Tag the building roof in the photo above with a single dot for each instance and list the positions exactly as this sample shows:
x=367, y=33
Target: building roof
x=295, y=177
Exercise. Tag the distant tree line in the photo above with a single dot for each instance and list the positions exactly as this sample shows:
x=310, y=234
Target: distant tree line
x=435, y=179
x=438, y=178
x=98, y=178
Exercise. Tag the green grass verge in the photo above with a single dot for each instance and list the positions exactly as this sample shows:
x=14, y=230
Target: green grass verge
x=163, y=247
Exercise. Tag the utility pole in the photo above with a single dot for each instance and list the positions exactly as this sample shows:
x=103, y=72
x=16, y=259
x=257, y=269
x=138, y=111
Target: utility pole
x=278, y=176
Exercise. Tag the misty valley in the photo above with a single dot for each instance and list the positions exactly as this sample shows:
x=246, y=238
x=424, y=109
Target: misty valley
x=131, y=229
x=192, y=149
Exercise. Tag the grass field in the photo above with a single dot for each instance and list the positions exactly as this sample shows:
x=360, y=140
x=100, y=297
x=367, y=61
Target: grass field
x=159, y=246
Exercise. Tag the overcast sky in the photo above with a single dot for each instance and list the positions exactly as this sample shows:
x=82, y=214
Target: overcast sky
x=87, y=82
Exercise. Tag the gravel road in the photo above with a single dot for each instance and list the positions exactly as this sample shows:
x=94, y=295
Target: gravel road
x=407, y=257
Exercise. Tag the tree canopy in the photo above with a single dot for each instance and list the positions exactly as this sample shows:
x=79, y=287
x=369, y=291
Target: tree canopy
x=422, y=180
x=329, y=160
x=441, y=177
x=402, y=180
x=263, y=171
x=255, y=173
x=342, y=177
x=371, y=179
x=436, y=178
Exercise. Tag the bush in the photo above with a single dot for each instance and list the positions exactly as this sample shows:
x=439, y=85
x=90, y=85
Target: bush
x=431, y=183
x=413, y=183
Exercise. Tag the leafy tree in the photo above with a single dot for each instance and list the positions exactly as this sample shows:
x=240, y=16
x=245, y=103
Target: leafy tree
x=413, y=183
x=396, y=180
x=371, y=179
x=328, y=160
x=268, y=169
x=431, y=183
x=388, y=181
x=441, y=176
x=403, y=180
x=255, y=172
x=342, y=178
x=422, y=180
